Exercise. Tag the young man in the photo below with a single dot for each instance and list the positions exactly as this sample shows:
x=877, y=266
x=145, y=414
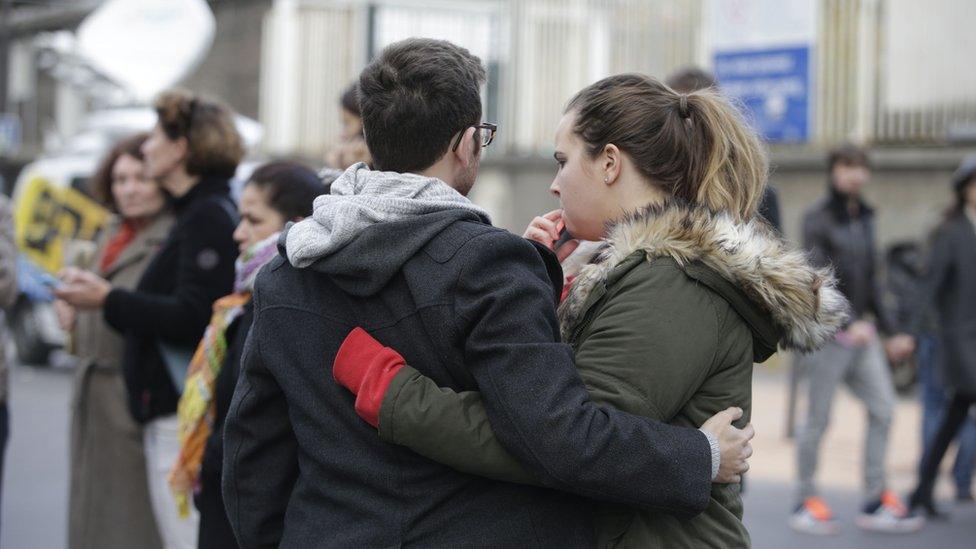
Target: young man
x=839, y=230
x=400, y=251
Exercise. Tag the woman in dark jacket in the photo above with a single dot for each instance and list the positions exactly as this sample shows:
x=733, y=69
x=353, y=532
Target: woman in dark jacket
x=276, y=193
x=950, y=287
x=192, y=151
x=109, y=499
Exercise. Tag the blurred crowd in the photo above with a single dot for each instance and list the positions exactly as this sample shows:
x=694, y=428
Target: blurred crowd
x=158, y=312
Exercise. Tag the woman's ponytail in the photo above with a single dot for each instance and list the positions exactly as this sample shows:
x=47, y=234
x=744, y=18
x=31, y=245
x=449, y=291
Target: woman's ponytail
x=696, y=146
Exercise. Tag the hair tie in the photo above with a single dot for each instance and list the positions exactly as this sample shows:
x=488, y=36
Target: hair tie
x=683, y=111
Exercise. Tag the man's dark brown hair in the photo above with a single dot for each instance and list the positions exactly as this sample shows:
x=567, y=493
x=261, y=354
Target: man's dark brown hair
x=847, y=154
x=349, y=100
x=414, y=98
x=100, y=184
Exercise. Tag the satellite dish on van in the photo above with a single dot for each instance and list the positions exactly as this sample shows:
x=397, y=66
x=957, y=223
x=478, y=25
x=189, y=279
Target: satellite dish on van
x=147, y=46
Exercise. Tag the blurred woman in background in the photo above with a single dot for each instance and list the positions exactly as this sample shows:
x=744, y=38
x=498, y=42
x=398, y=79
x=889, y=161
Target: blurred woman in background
x=351, y=148
x=949, y=288
x=193, y=151
x=109, y=502
x=276, y=193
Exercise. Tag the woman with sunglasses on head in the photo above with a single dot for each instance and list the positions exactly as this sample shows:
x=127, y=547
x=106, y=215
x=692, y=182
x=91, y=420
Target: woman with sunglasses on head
x=689, y=290
x=193, y=151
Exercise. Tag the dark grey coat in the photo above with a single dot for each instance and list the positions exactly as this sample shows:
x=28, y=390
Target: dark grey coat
x=833, y=237
x=950, y=286
x=475, y=307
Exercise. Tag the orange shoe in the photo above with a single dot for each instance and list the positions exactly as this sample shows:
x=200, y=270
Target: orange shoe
x=890, y=516
x=813, y=516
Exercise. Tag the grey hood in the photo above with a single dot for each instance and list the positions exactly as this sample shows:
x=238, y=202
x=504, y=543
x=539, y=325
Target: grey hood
x=371, y=223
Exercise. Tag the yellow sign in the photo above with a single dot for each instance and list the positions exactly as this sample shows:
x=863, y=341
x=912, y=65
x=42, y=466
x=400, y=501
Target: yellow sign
x=47, y=216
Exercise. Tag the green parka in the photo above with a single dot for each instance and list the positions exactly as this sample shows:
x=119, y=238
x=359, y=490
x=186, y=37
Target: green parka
x=666, y=323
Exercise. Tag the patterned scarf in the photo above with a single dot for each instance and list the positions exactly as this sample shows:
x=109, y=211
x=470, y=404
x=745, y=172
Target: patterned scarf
x=197, y=409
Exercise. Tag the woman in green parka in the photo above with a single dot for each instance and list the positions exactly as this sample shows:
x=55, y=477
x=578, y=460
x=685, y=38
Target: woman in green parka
x=688, y=291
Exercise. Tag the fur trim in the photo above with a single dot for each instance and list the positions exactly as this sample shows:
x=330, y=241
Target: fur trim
x=802, y=300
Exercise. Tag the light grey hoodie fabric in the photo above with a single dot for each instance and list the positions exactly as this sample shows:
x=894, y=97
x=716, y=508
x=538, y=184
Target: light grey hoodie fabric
x=362, y=197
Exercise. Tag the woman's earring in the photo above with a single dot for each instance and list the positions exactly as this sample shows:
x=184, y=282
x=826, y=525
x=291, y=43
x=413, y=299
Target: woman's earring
x=606, y=179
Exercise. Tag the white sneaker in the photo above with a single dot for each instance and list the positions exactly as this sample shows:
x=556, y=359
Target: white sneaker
x=889, y=516
x=814, y=517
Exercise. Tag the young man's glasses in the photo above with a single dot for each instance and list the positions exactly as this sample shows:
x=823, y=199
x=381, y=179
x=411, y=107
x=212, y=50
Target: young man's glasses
x=486, y=130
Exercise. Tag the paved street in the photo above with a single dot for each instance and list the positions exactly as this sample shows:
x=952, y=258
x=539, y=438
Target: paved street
x=35, y=485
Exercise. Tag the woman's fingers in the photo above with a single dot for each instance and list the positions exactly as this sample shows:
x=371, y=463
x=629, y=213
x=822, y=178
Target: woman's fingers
x=539, y=235
x=543, y=225
x=554, y=215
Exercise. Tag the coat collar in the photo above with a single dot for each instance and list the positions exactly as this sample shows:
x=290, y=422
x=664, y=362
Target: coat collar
x=773, y=277
x=207, y=186
x=837, y=204
x=147, y=241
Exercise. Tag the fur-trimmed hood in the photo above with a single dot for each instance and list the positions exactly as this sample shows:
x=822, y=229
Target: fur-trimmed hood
x=802, y=302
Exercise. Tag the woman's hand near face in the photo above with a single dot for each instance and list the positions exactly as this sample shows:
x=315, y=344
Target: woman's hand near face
x=545, y=230
x=83, y=290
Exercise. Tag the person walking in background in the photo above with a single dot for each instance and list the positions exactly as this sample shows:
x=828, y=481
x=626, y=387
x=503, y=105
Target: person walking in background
x=932, y=392
x=839, y=231
x=693, y=291
x=275, y=194
x=401, y=250
x=193, y=151
x=949, y=287
x=351, y=147
x=108, y=503
x=8, y=296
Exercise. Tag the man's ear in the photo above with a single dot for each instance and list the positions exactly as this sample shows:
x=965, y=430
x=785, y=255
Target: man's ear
x=466, y=152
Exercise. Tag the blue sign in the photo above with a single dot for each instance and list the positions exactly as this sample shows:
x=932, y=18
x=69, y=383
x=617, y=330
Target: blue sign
x=9, y=133
x=773, y=85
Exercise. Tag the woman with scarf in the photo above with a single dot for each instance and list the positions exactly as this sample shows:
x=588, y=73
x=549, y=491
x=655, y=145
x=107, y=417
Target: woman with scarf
x=276, y=193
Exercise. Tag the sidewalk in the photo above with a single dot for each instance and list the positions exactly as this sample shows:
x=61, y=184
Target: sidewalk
x=771, y=485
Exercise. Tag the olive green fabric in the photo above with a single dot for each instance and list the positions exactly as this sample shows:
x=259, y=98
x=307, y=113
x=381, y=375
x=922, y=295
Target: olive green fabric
x=657, y=343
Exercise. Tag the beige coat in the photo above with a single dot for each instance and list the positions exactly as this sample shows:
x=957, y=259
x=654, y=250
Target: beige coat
x=109, y=501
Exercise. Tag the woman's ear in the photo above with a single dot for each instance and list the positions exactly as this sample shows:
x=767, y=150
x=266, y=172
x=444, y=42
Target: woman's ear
x=182, y=145
x=611, y=163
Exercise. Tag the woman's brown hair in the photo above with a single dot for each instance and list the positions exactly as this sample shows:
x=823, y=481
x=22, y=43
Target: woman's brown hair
x=100, y=184
x=695, y=145
x=214, y=145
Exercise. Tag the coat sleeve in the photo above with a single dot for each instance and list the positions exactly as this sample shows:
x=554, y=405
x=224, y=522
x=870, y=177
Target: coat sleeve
x=938, y=269
x=260, y=464
x=638, y=358
x=204, y=273
x=8, y=257
x=815, y=240
x=537, y=405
